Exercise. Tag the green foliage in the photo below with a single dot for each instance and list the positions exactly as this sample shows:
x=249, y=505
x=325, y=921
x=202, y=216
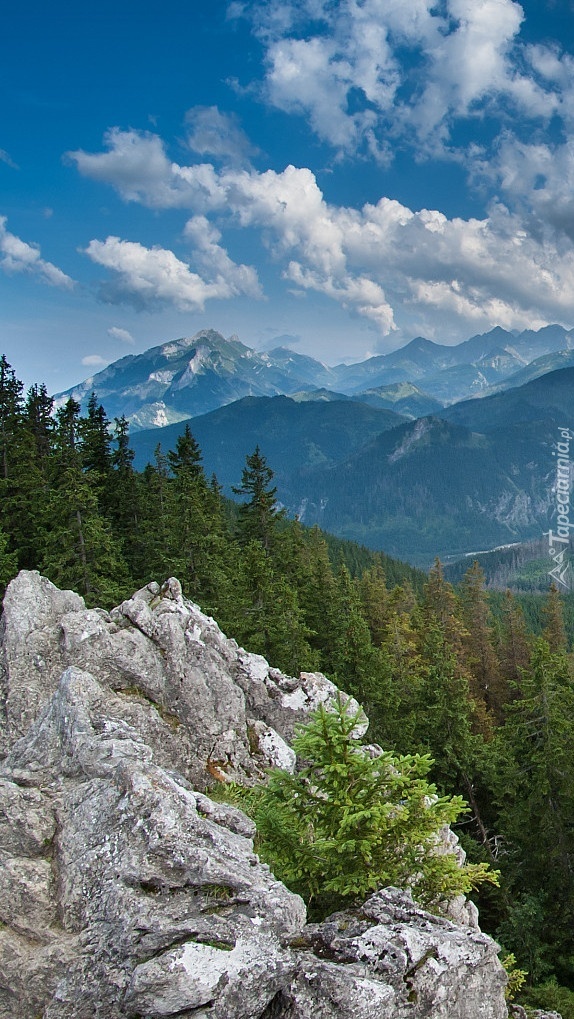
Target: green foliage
x=8, y=563
x=349, y=822
x=516, y=977
x=453, y=675
x=549, y=997
x=522, y=933
x=258, y=515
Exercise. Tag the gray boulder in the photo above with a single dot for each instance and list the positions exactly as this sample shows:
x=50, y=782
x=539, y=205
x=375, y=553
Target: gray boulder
x=123, y=892
x=207, y=707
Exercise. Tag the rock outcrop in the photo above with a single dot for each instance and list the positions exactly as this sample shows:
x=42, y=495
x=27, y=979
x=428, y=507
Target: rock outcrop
x=125, y=890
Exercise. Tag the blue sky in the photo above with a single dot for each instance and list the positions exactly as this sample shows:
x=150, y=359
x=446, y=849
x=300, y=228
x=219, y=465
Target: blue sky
x=335, y=176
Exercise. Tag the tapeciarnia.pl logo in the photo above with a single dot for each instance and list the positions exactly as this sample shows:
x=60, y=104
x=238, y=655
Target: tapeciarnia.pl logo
x=559, y=540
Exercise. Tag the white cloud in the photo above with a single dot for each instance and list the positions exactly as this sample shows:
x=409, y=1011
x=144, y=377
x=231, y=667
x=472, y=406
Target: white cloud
x=366, y=74
x=6, y=158
x=151, y=276
x=394, y=267
x=137, y=166
x=93, y=361
x=18, y=256
x=117, y=333
x=216, y=264
x=210, y=132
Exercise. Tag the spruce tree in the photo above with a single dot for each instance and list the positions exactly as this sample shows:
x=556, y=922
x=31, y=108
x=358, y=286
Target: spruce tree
x=553, y=613
x=349, y=822
x=478, y=641
x=258, y=515
x=514, y=642
x=8, y=563
x=79, y=550
x=532, y=782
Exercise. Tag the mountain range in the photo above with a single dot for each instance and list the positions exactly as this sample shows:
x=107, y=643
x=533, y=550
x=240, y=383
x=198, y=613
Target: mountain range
x=191, y=376
x=478, y=476
x=363, y=452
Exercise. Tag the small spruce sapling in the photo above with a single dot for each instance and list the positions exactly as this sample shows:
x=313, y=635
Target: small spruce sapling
x=349, y=822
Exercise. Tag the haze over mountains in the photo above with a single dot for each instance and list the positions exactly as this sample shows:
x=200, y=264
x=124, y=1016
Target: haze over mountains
x=365, y=450
x=195, y=375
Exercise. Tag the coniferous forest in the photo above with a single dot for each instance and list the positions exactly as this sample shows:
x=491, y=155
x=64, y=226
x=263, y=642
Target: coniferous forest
x=447, y=672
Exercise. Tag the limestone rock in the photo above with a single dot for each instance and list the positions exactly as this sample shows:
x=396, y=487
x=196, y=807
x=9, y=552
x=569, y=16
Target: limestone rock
x=393, y=960
x=126, y=892
x=144, y=898
x=192, y=694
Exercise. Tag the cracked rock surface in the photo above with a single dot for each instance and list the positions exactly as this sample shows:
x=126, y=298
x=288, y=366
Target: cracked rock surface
x=125, y=890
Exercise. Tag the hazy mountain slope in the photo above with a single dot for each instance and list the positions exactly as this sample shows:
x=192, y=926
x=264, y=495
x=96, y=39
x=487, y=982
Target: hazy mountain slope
x=402, y=397
x=478, y=476
x=551, y=395
x=294, y=437
x=432, y=487
x=195, y=375
x=541, y=366
x=192, y=376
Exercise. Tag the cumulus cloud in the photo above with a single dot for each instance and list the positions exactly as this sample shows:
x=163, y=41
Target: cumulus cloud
x=212, y=133
x=18, y=256
x=117, y=333
x=365, y=75
x=394, y=267
x=93, y=361
x=148, y=277
x=137, y=165
x=215, y=262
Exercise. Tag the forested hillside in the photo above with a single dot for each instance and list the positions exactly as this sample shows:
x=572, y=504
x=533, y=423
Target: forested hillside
x=436, y=670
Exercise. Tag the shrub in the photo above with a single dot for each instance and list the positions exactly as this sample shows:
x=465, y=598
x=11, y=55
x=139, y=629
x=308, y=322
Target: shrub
x=350, y=822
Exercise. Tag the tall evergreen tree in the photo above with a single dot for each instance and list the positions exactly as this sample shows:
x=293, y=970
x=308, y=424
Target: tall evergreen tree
x=553, y=613
x=514, y=642
x=374, y=600
x=268, y=617
x=38, y=412
x=79, y=550
x=8, y=563
x=189, y=522
x=10, y=414
x=534, y=786
x=258, y=515
x=478, y=641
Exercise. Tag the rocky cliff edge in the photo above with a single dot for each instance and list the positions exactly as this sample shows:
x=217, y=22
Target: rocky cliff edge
x=125, y=891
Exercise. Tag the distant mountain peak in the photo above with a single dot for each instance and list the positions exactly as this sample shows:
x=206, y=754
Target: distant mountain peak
x=195, y=374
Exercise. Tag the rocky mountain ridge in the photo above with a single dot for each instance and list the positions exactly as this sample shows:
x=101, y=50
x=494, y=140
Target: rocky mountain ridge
x=476, y=475
x=195, y=375
x=125, y=890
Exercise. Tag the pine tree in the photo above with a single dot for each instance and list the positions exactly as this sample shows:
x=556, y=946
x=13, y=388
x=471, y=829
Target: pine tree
x=478, y=641
x=439, y=605
x=188, y=506
x=554, y=631
x=374, y=599
x=10, y=415
x=268, y=619
x=79, y=550
x=8, y=563
x=38, y=412
x=533, y=785
x=514, y=642
x=124, y=498
x=258, y=516
x=359, y=667
x=154, y=519
x=347, y=823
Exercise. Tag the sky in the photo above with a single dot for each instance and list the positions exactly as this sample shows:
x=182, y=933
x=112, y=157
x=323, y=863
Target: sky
x=337, y=176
